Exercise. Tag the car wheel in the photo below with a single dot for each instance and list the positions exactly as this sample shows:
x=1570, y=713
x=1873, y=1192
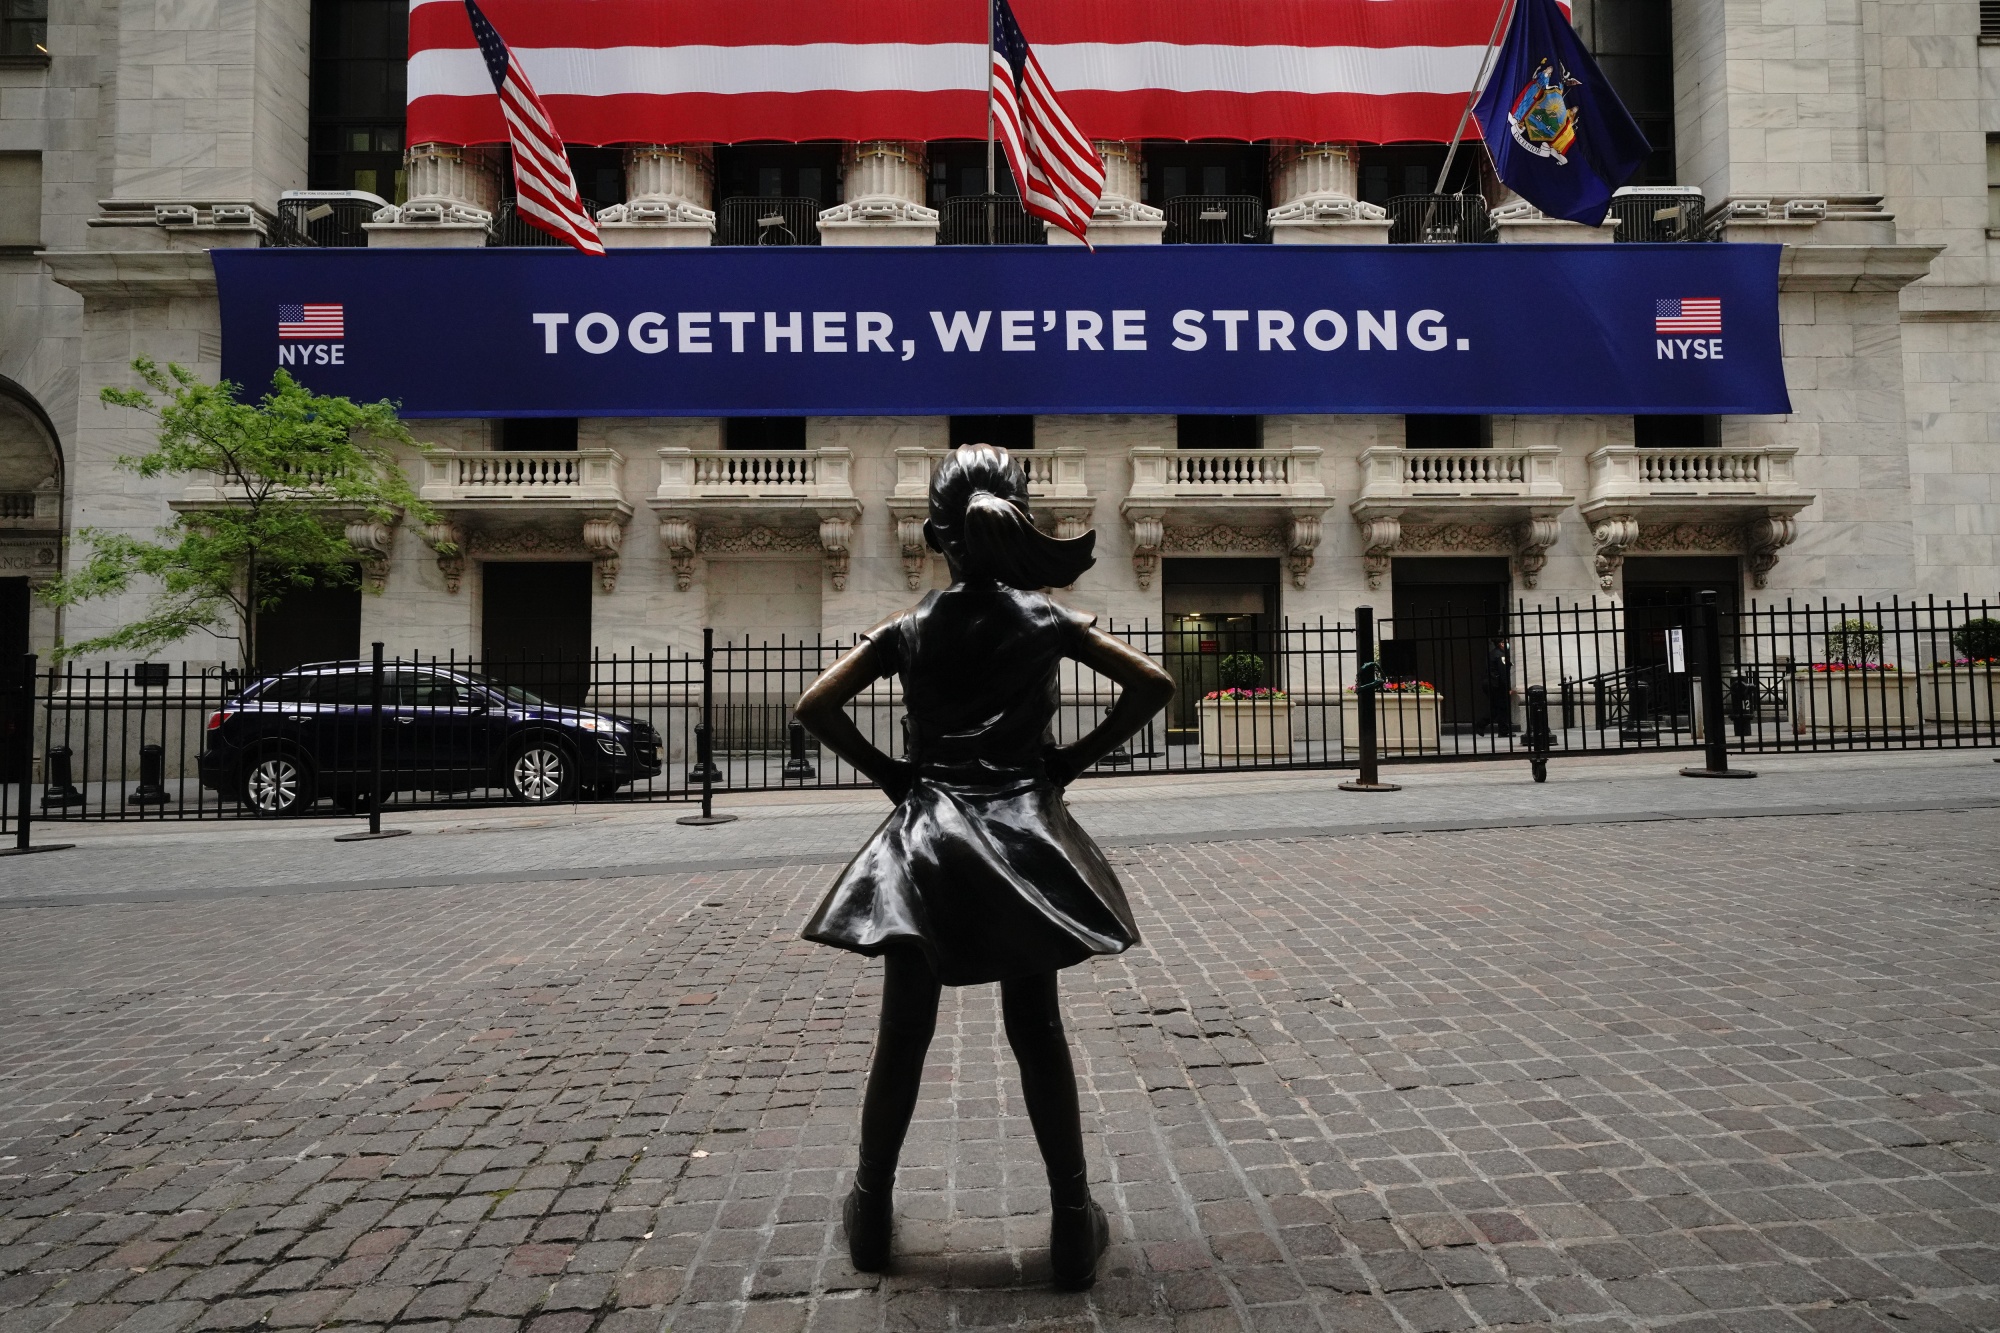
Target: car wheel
x=541, y=772
x=276, y=783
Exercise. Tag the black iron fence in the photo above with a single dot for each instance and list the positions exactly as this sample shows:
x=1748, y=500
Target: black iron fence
x=159, y=741
x=1216, y=219
x=988, y=219
x=761, y=220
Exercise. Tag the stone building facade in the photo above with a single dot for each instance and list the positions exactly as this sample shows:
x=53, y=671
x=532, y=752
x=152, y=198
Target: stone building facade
x=134, y=139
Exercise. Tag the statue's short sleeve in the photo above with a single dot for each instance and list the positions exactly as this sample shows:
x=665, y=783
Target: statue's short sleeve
x=1075, y=627
x=891, y=644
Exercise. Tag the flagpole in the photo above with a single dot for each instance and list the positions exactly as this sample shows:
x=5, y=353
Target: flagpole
x=992, y=186
x=1472, y=98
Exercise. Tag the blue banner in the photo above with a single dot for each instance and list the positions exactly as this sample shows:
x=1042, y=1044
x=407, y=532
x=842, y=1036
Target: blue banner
x=1539, y=329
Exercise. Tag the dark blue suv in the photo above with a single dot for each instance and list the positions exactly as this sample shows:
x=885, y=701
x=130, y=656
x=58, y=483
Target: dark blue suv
x=289, y=740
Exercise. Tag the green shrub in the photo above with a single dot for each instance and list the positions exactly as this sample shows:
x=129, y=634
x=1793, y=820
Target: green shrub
x=1978, y=639
x=1242, y=671
x=1855, y=643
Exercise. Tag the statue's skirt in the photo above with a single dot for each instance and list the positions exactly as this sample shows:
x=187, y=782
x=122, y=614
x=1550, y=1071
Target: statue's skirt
x=989, y=882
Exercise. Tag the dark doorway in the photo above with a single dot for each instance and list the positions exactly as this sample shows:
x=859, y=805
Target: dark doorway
x=1388, y=170
x=763, y=432
x=1452, y=612
x=1215, y=609
x=1218, y=431
x=13, y=647
x=1661, y=593
x=1011, y=433
x=1447, y=432
x=1174, y=169
x=537, y=627
x=536, y=435
x=317, y=623
x=779, y=171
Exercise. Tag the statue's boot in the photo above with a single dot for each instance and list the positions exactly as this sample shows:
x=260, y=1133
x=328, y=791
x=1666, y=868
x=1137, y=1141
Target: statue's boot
x=1079, y=1234
x=870, y=1215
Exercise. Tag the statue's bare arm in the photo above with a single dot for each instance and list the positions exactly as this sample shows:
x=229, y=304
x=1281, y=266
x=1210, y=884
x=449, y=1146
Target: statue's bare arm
x=822, y=709
x=1144, y=689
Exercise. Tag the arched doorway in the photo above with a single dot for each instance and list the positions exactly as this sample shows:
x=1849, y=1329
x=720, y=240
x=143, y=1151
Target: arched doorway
x=31, y=519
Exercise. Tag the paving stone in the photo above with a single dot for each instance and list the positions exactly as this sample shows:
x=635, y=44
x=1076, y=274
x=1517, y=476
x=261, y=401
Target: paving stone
x=1733, y=1075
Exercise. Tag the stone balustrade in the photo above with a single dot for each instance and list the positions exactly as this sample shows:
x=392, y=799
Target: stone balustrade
x=1224, y=502
x=459, y=477
x=1623, y=471
x=756, y=502
x=1729, y=501
x=1460, y=501
x=1395, y=473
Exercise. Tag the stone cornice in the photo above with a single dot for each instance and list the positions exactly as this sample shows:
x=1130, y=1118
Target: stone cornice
x=1853, y=268
x=132, y=273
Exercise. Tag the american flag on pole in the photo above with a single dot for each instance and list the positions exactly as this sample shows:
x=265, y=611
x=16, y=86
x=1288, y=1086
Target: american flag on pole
x=1688, y=314
x=1056, y=168
x=544, y=187
x=312, y=323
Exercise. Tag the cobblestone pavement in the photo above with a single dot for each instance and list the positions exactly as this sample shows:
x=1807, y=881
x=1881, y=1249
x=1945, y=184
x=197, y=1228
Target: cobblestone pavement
x=447, y=845
x=1737, y=1074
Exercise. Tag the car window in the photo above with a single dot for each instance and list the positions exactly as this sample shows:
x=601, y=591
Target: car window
x=437, y=692
x=287, y=690
x=346, y=688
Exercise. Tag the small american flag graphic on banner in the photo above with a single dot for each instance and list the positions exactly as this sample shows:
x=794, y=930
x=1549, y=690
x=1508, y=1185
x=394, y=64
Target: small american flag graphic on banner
x=312, y=322
x=1688, y=314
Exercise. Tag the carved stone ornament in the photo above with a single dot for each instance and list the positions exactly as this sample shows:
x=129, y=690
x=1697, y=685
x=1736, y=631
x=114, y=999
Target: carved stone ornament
x=1612, y=534
x=1148, y=532
x=910, y=537
x=1303, y=540
x=1456, y=538
x=833, y=541
x=37, y=562
x=1379, y=536
x=449, y=542
x=758, y=540
x=679, y=536
x=836, y=533
x=603, y=537
x=524, y=541
x=1765, y=536
x=1222, y=539
x=373, y=542
x=1533, y=540
x=1680, y=538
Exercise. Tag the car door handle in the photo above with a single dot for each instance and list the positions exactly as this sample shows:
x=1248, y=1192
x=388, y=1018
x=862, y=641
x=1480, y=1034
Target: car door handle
x=406, y=721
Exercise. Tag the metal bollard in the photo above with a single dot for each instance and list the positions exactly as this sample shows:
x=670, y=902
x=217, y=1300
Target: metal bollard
x=152, y=789
x=1742, y=704
x=703, y=768
x=1540, y=739
x=59, y=783
x=1367, y=690
x=1638, y=709
x=798, y=766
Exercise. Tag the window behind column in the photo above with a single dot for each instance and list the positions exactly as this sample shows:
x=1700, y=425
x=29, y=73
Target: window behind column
x=359, y=51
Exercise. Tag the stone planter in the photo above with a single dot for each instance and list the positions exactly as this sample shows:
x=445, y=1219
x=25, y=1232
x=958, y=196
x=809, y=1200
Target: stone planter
x=1961, y=695
x=1850, y=701
x=1246, y=728
x=1404, y=724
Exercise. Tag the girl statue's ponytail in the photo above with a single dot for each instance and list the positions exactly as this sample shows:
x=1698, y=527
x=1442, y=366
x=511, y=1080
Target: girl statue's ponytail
x=980, y=520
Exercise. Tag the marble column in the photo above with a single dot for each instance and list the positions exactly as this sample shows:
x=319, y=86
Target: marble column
x=1120, y=218
x=452, y=194
x=882, y=186
x=1314, y=198
x=669, y=189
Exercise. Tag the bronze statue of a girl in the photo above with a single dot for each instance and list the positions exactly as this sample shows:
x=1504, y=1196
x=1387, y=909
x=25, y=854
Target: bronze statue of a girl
x=980, y=874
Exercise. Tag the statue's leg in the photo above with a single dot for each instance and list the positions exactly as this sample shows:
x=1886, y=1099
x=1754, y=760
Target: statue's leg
x=909, y=1017
x=1078, y=1232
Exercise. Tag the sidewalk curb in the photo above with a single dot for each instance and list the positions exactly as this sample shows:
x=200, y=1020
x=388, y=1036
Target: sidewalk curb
x=640, y=870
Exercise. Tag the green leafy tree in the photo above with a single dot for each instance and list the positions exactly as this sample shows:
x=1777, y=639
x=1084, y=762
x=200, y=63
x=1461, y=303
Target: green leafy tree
x=293, y=469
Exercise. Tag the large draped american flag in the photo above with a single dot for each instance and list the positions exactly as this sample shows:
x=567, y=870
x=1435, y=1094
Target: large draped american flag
x=545, y=193
x=1061, y=178
x=729, y=71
